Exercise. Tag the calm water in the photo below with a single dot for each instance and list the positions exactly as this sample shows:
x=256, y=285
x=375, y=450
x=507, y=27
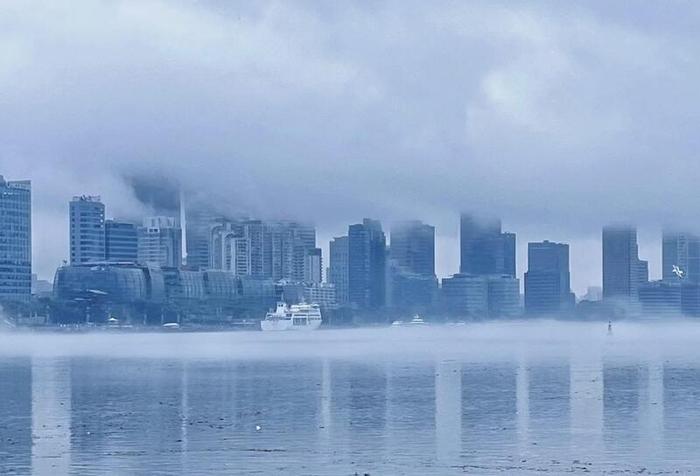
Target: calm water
x=527, y=398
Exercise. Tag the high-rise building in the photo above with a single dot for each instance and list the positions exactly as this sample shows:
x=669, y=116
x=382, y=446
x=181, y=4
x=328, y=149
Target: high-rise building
x=285, y=246
x=367, y=264
x=413, y=247
x=87, y=230
x=338, y=268
x=198, y=224
x=313, y=266
x=623, y=271
x=682, y=251
x=121, y=241
x=478, y=297
x=547, y=280
x=15, y=240
x=159, y=242
x=484, y=248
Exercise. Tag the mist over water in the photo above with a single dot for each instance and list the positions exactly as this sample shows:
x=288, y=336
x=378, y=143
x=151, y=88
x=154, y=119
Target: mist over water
x=536, y=397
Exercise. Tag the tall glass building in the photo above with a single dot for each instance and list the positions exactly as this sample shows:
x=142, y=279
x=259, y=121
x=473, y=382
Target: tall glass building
x=87, y=230
x=623, y=271
x=484, y=249
x=547, y=281
x=367, y=265
x=413, y=247
x=15, y=240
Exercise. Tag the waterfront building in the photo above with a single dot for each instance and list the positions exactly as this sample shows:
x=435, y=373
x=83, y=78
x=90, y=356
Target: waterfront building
x=313, y=266
x=15, y=240
x=466, y=296
x=322, y=294
x=159, y=242
x=659, y=298
x=367, y=265
x=682, y=251
x=121, y=241
x=503, y=296
x=484, y=248
x=409, y=291
x=338, y=268
x=413, y=247
x=623, y=271
x=87, y=230
x=547, y=280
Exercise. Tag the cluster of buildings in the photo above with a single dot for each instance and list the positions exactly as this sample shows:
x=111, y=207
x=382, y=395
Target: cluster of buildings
x=203, y=266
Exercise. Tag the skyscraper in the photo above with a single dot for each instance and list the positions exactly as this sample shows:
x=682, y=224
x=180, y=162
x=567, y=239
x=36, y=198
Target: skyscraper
x=681, y=249
x=367, y=264
x=484, y=249
x=547, y=280
x=623, y=271
x=338, y=268
x=87, y=229
x=121, y=241
x=413, y=247
x=160, y=242
x=313, y=266
x=15, y=240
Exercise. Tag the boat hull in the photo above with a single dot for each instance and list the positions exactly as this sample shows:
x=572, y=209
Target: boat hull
x=286, y=325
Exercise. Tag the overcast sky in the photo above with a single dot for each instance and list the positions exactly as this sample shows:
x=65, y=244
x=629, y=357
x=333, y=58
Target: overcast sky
x=556, y=117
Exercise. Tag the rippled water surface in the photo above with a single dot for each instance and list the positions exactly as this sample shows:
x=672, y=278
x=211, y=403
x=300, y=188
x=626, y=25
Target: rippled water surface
x=527, y=398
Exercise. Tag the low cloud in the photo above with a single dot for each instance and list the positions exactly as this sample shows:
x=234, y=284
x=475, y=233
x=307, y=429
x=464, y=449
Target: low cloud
x=557, y=118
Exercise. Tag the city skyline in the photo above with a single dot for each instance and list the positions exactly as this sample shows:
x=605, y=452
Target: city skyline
x=447, y=258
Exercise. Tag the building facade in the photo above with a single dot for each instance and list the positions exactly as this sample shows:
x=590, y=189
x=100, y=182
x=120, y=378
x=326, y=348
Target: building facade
x=121, y=241
x=547, y=280
x=338, y=268
x=313, y=266
x=413, y=247
x=682, y=251
x=484, y=248
x=15, y=240
x=159, y=242
x=367, y=265
x=623, y=271
x=87, y=230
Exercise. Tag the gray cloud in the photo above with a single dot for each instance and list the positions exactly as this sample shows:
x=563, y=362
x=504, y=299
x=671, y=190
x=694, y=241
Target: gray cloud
x=556, y=117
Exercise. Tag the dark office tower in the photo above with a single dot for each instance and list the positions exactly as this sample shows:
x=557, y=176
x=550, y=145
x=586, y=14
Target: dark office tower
x=413, y=247
x=121, y=242
x=15, y=240
x=547, y=281
x=681, y=250
x=313, y=266
x=484, y=248
x=367, y=264
x=338, y=268
x=87, y=230
x=623, y=271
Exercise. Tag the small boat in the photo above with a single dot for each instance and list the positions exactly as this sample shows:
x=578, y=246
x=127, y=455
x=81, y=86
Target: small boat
x=417, y=321
x=610, y=328
x=297, y=317
x=171, y=326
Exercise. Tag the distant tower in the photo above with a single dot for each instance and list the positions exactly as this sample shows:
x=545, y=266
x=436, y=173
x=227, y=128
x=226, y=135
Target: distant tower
x=623, y=271
x=547, y=280
x=367, y=264
x=16, y=239
x=121, y=241
x=87, y=230
x=484, y=249
x=159, y=242
x=338, y=268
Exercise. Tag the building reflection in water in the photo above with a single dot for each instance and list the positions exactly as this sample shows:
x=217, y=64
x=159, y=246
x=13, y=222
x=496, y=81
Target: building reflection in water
x=63, y=416
x=51, y=416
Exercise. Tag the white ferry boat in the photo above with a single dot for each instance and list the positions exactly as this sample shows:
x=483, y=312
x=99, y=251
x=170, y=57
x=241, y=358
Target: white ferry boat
x=297, y=317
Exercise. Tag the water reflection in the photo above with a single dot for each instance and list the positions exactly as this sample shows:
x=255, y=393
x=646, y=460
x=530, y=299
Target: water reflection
x=581, y=411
